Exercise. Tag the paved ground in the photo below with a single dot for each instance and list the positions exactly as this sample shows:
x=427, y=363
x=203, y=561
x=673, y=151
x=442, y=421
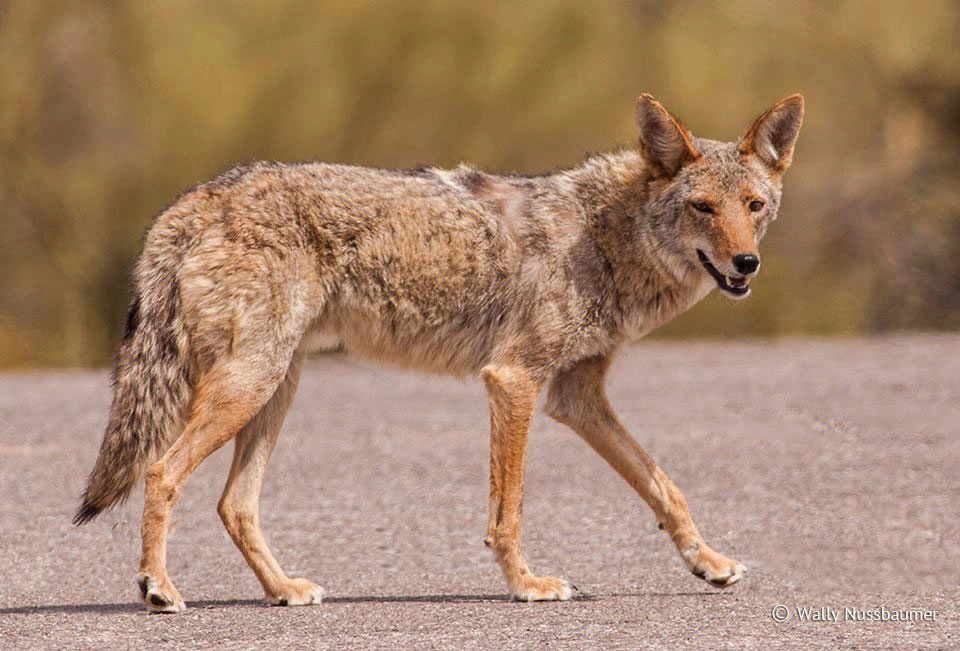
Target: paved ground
x=830, y=467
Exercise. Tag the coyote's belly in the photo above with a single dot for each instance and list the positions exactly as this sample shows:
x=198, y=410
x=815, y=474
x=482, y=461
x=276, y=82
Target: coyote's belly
x=455, y=346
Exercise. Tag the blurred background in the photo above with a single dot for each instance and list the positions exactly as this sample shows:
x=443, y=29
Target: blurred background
x=109, y=109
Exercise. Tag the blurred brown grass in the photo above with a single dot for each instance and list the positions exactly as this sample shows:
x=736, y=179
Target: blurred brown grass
x=108, y=110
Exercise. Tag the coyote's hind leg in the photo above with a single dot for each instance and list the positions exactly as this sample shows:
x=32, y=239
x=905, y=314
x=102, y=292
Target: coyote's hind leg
x=239, y=505
x=225, y=399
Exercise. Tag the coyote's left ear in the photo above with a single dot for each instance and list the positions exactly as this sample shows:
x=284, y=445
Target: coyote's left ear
x=772, y=136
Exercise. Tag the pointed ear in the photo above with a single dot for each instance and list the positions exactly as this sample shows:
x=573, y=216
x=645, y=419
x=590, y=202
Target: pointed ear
x=772, y=136
x=665, y=144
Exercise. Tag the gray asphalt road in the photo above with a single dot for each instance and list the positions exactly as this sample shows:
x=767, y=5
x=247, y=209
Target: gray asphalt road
x=830, y=467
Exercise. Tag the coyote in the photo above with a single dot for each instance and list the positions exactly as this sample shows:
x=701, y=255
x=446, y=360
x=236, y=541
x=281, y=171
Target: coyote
x=532, y=283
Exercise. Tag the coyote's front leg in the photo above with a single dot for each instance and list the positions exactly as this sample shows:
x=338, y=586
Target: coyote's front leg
x=513, y=396
x=576, y=398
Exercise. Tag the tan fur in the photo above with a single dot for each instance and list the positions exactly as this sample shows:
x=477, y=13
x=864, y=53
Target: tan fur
x=528, y=282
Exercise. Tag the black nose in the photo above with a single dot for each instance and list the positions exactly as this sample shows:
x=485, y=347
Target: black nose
x=745, y=263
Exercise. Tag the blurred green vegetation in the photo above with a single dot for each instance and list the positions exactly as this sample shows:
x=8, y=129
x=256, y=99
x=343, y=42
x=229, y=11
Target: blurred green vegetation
x=109, y=109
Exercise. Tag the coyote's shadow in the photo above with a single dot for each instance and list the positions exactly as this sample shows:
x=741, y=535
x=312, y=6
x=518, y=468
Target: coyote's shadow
x=133, y=606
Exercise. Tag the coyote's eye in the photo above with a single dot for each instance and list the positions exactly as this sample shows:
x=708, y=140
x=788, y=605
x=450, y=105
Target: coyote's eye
x=756, y=205
x=701, y=207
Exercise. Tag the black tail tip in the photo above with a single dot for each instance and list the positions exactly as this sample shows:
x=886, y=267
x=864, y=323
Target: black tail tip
x=86, y=512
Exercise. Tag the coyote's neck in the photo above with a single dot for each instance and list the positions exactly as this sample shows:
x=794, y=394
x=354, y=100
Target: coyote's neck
x=613, y=193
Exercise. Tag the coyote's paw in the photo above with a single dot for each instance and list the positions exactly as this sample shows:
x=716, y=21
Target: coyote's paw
x=542, y=588
x=298, y=592
x=712, y=567
x=159, y=594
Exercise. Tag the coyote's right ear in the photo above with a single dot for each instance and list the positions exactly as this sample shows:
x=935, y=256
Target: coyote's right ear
x=665, y=144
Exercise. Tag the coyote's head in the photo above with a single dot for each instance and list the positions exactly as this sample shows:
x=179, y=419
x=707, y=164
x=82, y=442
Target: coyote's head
x=713, y=200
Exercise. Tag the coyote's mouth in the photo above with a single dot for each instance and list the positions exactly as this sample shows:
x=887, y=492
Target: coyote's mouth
x=735, y=286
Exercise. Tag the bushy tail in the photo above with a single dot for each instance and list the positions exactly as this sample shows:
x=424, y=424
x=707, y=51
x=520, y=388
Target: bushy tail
x=152, y=385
